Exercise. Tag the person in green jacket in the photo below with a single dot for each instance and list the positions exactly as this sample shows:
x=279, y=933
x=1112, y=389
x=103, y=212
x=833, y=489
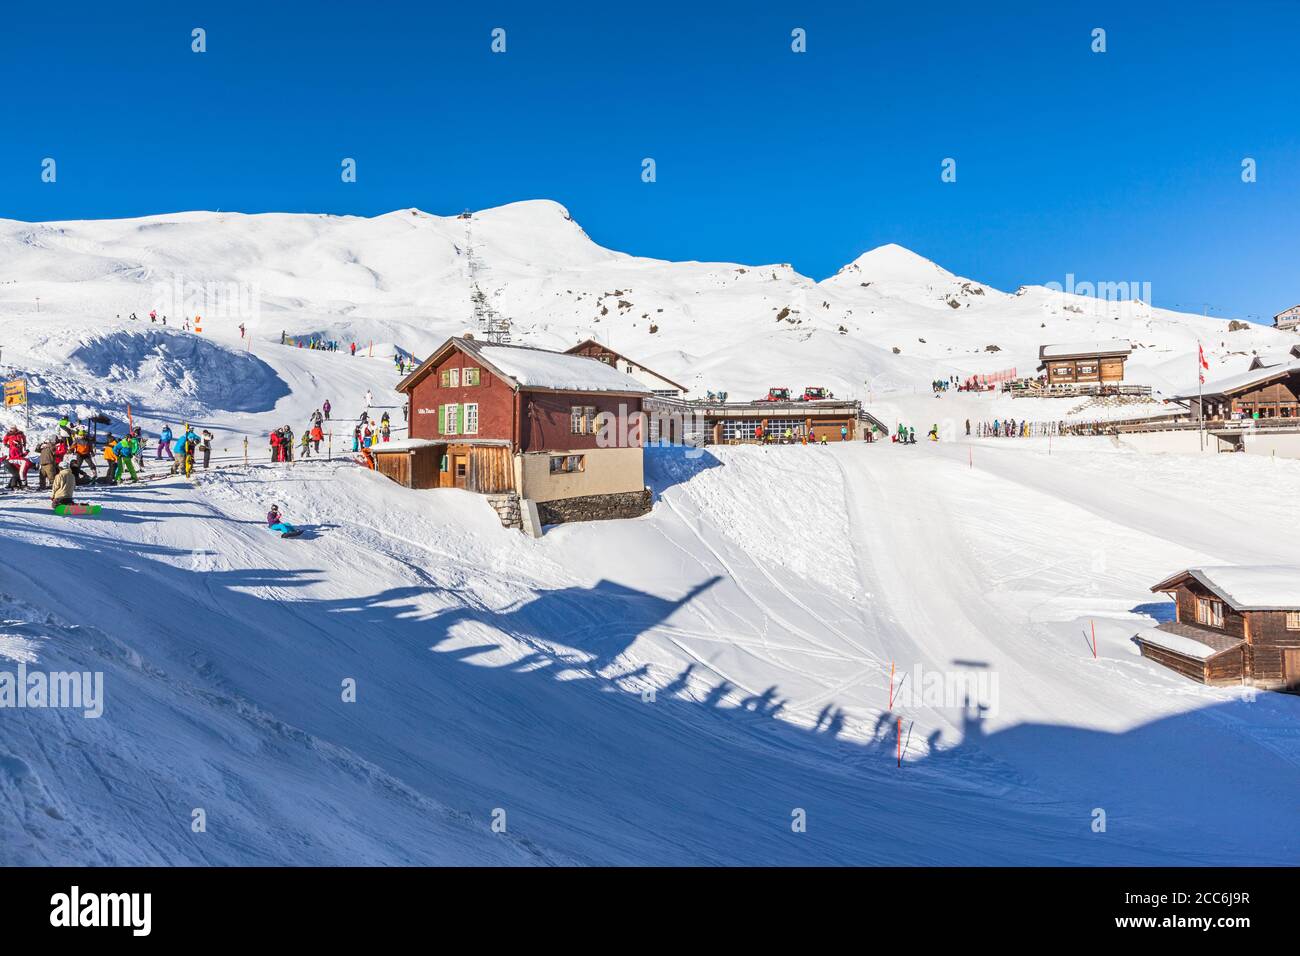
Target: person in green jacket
x=126, y=450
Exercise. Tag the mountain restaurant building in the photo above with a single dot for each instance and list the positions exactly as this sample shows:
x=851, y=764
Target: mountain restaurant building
x=564, y=431
x=1084, y=362
x=1287, y=320
x=1265, y=392
x=1233, y=625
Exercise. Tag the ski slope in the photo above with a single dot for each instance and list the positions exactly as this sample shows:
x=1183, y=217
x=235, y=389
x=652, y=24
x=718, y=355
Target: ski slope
x=763, y=601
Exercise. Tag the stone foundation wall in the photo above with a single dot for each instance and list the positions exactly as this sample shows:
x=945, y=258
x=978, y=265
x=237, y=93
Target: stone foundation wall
x=507, y=508
x=629, y=504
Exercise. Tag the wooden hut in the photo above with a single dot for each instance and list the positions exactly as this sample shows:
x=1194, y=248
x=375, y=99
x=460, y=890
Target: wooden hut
x=411, y=462
x=1084, y=362
x=1233, y=625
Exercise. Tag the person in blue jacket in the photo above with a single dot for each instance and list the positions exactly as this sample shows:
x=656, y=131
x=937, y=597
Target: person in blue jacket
x=275, y=522
x=184, y=447
x=165, y=443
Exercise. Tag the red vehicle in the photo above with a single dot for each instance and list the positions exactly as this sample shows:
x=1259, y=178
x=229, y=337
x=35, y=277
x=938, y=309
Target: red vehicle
x=815, y=393
x=777, y=395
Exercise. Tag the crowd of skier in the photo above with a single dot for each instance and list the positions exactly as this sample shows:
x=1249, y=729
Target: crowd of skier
x=1010, y=428
x=72, y=447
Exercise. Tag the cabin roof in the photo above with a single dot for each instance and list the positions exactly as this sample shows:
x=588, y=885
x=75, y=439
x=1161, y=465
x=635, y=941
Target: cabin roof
x=1244, y=380
x=401, y=444
x=1285, y=311
x=1274, y=357
x=619, y=355
x=1071, y=350
x=1274, y=587
x=1189, y=641
x=528, y=368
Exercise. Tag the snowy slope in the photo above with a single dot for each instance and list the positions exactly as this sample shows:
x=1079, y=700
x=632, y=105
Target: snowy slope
x=499, y=672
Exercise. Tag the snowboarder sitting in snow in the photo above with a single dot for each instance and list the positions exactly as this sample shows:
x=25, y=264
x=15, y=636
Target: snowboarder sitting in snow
x=65, y=485
x=276, y=522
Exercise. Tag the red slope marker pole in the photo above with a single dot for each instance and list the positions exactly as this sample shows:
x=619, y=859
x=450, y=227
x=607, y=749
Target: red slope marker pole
x=1094, y=639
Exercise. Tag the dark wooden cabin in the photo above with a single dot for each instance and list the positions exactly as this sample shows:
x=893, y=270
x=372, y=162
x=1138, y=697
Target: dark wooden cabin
x=1233, y=625
x=1263, y=392
x=1084, y=362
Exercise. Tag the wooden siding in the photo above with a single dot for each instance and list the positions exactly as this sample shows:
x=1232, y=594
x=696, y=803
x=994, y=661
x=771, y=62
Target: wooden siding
x=547, y=420
x=1098, y=369
x=491, y=469
x=495, y=400
x=1220, y=670
x=412, y=468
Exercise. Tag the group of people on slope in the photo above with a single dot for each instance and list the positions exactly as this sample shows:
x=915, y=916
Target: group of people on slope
x=368, y=433
x=940, y=385
x=183, y=449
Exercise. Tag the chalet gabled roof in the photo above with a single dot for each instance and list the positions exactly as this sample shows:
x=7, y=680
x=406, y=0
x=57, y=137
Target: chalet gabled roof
x=523, y=367
x=1273, y=587
x=619, y=355
x=1285, y=311
x=1244, y=380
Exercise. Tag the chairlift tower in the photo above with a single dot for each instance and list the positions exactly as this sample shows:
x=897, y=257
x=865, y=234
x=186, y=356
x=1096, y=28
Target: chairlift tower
x=494, y=325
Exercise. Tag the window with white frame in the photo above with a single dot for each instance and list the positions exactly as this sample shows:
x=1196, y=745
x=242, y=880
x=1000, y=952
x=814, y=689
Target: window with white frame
x=469, y=377
x=451, y=419
x=454, y=377
x=1209, y=612
x=1293, y=620
x=582, y=420
x=471, y=418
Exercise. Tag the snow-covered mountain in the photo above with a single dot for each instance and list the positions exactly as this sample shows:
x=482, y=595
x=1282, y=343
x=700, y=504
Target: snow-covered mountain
x=890, y=318
x=666, y=690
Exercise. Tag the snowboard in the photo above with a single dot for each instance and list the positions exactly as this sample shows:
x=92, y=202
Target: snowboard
x=76, y=510
x=296, y=532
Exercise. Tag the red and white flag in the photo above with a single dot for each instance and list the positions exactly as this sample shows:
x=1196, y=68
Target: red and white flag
x=1204, y=364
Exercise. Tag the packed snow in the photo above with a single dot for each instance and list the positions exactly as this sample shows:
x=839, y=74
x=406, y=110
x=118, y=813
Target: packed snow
x=896, y=642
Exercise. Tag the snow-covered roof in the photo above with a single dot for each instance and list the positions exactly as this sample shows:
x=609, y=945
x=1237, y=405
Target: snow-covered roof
x=523, y=366
x=1242, y=380
x=1186, y=646
x=1274, y=587
x=1070, y=349
x=403, y=444
x=540, y=368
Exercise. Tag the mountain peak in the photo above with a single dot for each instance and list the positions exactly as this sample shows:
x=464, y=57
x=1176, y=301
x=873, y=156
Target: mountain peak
x=893, y=262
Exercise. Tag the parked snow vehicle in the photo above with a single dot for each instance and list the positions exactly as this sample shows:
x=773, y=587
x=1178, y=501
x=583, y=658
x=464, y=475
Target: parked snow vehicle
x=816, y=393
x=777, y=395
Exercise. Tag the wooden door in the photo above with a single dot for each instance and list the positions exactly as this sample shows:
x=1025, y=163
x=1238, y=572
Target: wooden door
x=1291, y=668
x=460, y=468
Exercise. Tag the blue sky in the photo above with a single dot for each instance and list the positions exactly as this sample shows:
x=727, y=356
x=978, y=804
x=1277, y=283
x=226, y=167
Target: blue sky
x=1115, y=166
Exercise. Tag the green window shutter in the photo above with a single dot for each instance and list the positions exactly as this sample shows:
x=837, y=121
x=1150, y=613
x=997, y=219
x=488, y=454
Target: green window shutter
x=442, y=419
x=462, y=419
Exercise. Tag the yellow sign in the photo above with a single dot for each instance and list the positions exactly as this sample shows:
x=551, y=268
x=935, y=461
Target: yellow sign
x=16, y=392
